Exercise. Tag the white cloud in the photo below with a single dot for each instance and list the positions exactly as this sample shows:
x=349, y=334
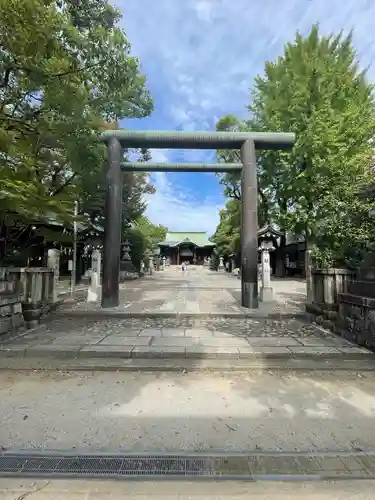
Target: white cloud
x=201, y=57
x=178, y=209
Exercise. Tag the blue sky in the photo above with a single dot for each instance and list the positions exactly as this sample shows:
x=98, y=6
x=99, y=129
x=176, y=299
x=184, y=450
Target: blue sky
x=200, y=58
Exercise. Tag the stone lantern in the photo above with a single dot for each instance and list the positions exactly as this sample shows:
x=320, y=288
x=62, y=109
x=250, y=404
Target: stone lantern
x=156, y=254
x=126, y=265
x=150, y=261
x=266, y=290
x=221, y=264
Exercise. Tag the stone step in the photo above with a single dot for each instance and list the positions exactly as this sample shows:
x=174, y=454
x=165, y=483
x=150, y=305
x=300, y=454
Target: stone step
x=111, y=357
x=97, y=313
x=363, y=288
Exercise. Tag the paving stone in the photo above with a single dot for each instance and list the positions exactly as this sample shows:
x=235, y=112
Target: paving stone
x=151, y=332
x=134, y=332
x=274, y=341
x=259, y=351
x=158, y=352
x=191, y=341
x=116, y=340
x=316, y=351
x=355, y=350
x=13, y=351
x=79, y=340
x=173, y=332
x=199, y=333
x=317, y=341
x=105, y=351
x=212, y=352
x=56, y=351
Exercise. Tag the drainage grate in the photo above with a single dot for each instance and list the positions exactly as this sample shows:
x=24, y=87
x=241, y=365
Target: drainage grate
x=135, y=465
x=291, y=466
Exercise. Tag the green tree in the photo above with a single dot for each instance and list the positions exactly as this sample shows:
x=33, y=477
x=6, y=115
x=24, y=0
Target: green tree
x=227, y=234
x=65, y=67
x=317, y=91
x=144, y=236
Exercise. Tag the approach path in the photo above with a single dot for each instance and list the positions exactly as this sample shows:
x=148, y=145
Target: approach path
x=186, y=320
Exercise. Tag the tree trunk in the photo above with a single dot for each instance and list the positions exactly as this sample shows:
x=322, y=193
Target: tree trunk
x=280, y=258
x=308, y=272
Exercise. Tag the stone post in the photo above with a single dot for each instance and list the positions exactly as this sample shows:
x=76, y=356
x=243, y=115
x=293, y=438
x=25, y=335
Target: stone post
x=266, y=290
x=53, y=263
x=94, y=290
x=151, y=265
x=309, y=277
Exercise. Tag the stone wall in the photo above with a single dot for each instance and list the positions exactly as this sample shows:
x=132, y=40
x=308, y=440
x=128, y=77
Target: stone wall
x=24, y=286
x=356, y=311
x=326, y=287
x=10, y=313
x=11, y=317
x=356, y=320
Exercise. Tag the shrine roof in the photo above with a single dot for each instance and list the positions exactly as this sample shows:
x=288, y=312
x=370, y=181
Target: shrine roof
x=197, y=238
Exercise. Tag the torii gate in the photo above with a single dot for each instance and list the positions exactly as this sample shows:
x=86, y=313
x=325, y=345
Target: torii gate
x=246, y=142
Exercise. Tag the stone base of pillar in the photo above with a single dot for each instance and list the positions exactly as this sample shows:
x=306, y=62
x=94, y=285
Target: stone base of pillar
x=266, y=294
x=94, y=294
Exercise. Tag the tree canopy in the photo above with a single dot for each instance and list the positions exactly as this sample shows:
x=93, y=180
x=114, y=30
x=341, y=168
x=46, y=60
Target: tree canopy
x=144, y=236
x=316, y=90
x=66, y=71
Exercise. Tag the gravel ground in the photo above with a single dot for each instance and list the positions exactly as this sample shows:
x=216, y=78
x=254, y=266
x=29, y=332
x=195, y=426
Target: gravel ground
x=120, y=411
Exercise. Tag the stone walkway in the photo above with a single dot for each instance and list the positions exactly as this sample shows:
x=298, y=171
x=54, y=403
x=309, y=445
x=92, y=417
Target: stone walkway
x=176, y=321
x=197, y=291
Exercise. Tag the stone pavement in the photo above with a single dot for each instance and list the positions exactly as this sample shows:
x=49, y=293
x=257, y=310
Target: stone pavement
x=179, y=320
x=196, y=291
x=230, y=342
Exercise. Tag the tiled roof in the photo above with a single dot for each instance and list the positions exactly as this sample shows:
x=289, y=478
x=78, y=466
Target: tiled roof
x=175, y=238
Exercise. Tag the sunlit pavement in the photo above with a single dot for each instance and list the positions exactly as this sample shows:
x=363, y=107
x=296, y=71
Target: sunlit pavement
x=196, y=412
x=12, y=489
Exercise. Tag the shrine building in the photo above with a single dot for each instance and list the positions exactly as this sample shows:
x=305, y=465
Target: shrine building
x=192, y=248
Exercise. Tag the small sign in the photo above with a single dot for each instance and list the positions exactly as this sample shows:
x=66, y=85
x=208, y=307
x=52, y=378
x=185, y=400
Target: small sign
x=70, y=265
